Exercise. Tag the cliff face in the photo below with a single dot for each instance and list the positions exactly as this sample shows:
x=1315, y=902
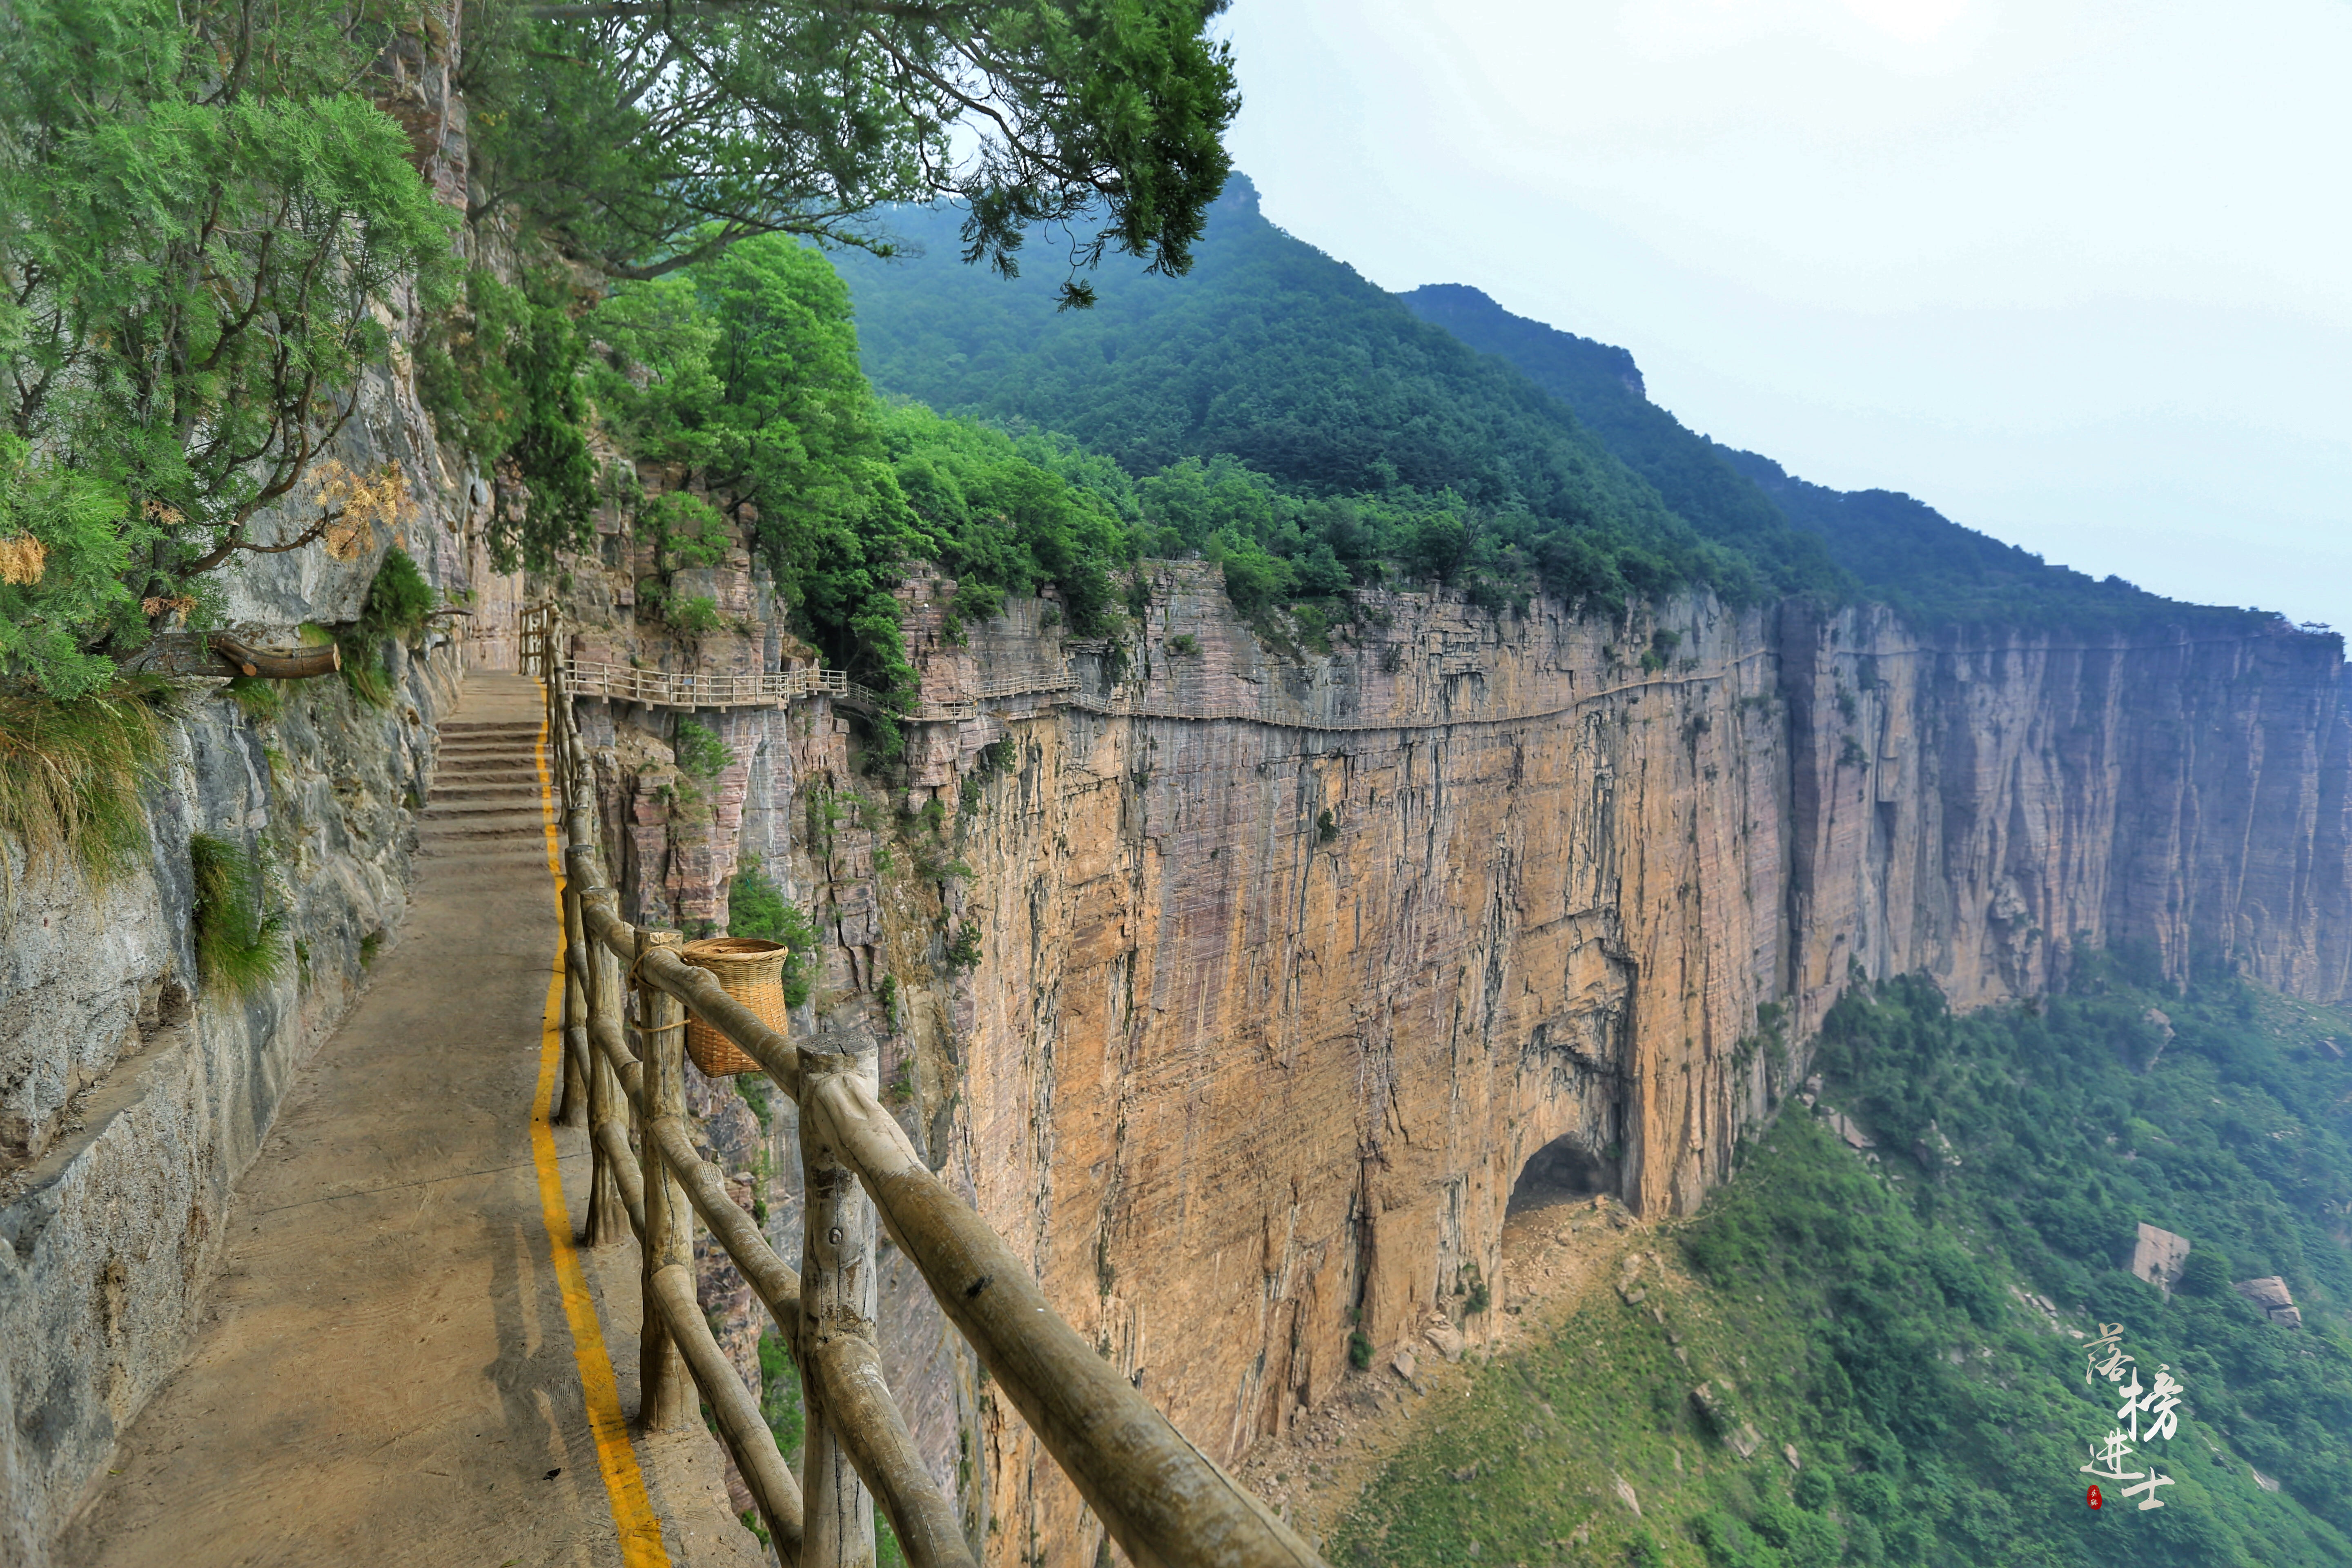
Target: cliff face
x=1289, y=966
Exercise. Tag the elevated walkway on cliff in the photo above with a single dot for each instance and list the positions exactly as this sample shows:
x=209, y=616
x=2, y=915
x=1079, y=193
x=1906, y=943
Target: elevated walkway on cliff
x=387, y=1371
x=694, y=690
x=430, y=1343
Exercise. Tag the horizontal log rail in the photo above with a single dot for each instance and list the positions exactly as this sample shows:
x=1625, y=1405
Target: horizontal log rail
x=1165, y=1504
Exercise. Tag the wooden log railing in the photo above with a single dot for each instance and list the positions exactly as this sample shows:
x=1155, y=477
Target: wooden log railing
x=1165, y=1504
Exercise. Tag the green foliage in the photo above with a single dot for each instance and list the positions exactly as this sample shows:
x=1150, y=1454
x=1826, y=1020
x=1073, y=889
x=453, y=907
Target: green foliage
x=199, y=210
x=1471, y=1286
x=1327, y=826
x=700, y=754
x=398, y=600
x=1004, y=515
x=2053, y=1116
x=964, y=951
x=259, y=699
x=239, y=949
x=639, y=140
x=1359, y=1349
x=780, y=1396
x=993, y=761
x=1335, y=433
x=71, y=773
x=745, y=372
x=756, y=907
x=1873, y=1316
x=501, y=378
x=1184, y=645
x=685, y=530
x=696, y=617
x=64, y=584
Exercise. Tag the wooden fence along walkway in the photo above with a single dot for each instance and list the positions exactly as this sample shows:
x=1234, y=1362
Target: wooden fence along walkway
x=1162, y=1500
x=663, y=688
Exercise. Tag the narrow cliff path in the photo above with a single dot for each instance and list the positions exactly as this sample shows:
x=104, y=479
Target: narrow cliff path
x=389, y=1369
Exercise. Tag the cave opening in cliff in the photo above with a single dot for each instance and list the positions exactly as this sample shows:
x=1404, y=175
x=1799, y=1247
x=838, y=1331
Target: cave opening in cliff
x=1565, y=1169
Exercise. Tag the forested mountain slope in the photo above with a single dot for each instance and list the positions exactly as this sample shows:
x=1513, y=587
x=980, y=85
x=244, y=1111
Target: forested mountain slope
x=1911, y=1319
x=1900, y=551
x=1282, y=365
x=1274, y=355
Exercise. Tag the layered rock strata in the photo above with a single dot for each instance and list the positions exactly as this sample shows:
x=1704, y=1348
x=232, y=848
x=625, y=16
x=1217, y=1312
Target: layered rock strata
x=1285, y=966
x=1290, y=966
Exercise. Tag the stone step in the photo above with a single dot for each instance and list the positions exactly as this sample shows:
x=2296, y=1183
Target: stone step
x=476, y=807
x=486, y=812
x=485, y=789
x=488, y=870
x=462, y=832
x=490, y=730
x=476, y=727
x=525, y=766
x=503, y=763
x=436, y=853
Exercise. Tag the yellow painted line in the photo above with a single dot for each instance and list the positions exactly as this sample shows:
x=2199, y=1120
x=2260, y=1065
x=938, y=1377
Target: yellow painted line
x=633, y=1512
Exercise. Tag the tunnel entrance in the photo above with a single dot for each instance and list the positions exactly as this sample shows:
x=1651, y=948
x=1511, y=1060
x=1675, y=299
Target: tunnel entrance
x=1563, y=1171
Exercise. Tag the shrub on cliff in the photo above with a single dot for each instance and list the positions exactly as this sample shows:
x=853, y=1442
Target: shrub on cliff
x=398, y=600
x=198, y=216
x=756, y=907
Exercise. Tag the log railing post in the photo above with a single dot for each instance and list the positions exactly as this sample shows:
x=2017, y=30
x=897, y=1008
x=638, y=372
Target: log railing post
x=571, y=1110
x=838, y=1300
x=608, y=1219
x=666, y=1401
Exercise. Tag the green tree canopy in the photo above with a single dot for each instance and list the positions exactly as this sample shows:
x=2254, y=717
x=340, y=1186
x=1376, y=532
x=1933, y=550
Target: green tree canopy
x=643, y=137
x=208, y=232
x=196, y=221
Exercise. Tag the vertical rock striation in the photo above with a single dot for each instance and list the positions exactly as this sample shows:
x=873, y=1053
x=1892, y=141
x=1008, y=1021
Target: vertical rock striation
x=1290, y=965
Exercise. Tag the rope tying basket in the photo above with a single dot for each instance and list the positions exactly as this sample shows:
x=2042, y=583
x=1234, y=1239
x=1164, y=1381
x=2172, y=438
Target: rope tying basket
x=752, y=973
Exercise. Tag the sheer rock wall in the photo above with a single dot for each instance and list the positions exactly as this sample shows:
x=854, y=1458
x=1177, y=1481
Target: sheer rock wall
x=1234, y=1077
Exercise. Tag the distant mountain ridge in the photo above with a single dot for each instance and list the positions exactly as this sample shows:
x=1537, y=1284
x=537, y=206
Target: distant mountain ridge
x=1902, y=551
x=1274, y=354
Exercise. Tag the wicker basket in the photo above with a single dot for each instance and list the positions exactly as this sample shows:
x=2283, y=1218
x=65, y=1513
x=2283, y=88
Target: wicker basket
x=752, y=973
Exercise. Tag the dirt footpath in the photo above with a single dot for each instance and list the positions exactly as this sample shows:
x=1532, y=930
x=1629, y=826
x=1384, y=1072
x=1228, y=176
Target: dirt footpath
x=1554, y=1257
x=386, y=1372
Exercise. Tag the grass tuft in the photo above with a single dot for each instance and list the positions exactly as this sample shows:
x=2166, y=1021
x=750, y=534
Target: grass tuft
x=238, y=948
x=261, y=700
x=70, y=774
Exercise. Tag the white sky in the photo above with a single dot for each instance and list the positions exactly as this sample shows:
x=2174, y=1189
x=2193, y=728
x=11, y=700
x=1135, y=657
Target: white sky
x=2074, y=273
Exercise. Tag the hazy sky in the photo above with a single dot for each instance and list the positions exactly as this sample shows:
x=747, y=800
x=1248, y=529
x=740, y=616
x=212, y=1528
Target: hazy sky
x=2074, y=273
